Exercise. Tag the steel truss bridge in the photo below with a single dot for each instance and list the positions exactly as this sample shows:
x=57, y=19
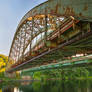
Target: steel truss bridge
x=54, y=34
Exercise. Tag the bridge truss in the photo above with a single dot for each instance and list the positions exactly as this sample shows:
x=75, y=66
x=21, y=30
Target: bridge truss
x=55, y=30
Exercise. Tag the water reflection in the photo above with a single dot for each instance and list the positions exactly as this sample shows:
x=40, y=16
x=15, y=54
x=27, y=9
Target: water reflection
x=8, y=89
x=49, y=86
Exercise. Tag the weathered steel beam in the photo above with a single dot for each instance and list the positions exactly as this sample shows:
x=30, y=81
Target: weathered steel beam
x=31, y=36
x=80, y=9
x=82, y=62
x=80, y=37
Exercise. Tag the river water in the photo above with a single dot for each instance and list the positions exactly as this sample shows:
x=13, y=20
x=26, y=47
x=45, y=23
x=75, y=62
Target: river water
x=48, y=86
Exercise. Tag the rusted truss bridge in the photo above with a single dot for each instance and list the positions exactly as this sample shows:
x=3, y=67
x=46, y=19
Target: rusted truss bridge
x=52, y=33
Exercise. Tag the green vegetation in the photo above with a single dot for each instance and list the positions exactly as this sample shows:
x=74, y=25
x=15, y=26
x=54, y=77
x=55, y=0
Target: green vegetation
x=71, y=73
x=68, y=73
x=3, y=62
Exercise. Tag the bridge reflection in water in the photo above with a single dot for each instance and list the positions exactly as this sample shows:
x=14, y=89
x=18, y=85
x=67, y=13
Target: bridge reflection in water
x=55, y=31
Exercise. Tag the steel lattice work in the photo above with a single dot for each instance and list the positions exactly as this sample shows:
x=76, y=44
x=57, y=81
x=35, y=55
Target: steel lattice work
x=54, y=24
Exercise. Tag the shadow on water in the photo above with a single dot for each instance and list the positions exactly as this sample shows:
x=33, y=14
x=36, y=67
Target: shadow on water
x=49, y=86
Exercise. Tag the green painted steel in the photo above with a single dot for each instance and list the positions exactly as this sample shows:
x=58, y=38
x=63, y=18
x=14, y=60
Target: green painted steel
x=59, y=65
x=80, y=9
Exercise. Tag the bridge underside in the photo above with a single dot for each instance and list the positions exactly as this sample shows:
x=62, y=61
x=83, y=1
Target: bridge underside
x=83, y=61
x=54, y=31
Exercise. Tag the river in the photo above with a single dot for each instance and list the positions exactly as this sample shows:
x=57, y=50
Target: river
x=48, y=86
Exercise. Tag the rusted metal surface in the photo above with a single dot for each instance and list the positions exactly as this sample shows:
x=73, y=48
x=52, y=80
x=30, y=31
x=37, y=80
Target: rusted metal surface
x=80, y=9
x=62, y=7
x=48, y=21
x=55, y=49
x=26, y=29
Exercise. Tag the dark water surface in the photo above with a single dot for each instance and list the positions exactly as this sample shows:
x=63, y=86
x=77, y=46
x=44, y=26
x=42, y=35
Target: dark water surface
x=48, y=86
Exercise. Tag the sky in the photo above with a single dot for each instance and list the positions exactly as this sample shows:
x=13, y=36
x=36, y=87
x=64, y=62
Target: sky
x=11, y=12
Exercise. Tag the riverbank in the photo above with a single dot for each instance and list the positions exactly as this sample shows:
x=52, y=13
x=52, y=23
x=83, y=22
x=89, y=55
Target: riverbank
x=39, y=79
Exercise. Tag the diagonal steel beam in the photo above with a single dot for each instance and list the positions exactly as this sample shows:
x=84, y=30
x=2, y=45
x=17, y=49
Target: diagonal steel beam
x=60, y=46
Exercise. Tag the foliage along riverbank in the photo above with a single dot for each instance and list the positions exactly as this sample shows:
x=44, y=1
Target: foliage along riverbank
x=3, y=62
x=71, y=73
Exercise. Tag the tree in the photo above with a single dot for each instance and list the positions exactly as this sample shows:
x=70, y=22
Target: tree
x=3, y=62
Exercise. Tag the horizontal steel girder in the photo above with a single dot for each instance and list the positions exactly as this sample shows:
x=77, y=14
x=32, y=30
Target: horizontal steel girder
x=80, y=37
x=81, y=62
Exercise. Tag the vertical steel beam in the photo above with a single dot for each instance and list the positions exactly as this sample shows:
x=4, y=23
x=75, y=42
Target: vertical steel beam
x=24, y=43
x=31, y=35
x=20, y=44
x=46, y=28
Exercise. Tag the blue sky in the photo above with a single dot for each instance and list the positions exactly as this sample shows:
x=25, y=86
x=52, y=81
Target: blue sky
x=11, y=12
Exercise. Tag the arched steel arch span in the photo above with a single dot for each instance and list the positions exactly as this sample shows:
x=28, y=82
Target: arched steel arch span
x=40, y=22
